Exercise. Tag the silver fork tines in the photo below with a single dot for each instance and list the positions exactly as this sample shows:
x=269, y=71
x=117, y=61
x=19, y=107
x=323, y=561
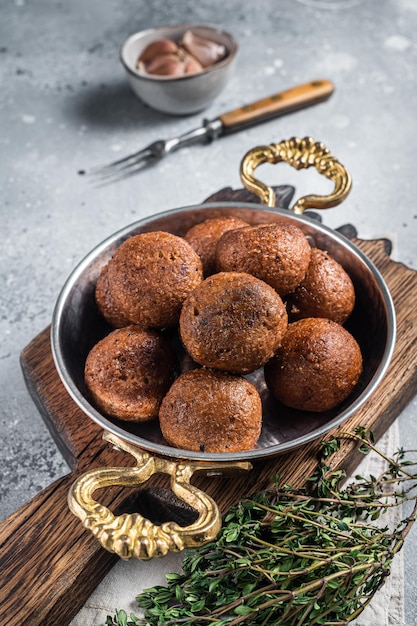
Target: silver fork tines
x=155, y=151
x=132, y=162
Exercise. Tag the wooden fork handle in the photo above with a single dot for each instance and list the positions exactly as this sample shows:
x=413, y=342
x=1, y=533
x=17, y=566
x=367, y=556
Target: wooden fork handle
x=278, y=104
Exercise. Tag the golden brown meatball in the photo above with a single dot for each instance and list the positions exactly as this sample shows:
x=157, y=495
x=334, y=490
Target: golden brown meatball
x=316, y=367
x=326, y=291
x=150, y=276
x=129, y=371
x=105, y=302
x=203, y=238
x=232, y=322
x=278, y=254
x=211, y=411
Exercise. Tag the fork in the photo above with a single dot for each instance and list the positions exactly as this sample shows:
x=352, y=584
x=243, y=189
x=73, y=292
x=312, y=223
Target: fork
x=257, y=112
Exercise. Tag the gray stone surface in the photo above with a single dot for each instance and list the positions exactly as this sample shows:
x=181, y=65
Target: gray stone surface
x=65, y=106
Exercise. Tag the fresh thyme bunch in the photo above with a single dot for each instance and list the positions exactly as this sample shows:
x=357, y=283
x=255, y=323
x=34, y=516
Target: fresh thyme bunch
x=290, y=557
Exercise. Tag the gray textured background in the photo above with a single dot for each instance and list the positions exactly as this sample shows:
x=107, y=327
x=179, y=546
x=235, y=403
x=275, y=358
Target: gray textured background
x=65, y=106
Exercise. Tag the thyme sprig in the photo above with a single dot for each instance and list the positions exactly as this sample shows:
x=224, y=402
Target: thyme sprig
x=291, y=556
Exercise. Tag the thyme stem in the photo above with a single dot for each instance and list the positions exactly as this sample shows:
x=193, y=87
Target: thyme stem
x=312, y=555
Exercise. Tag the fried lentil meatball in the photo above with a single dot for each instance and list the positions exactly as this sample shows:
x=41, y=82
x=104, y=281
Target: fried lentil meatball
x=129, y=371
x=150, y=276
x=316, y=367
x=278, y=254
x=105, y=302
x=203, y=238
x=326, y=291
x=232, y=322
x=211, y=411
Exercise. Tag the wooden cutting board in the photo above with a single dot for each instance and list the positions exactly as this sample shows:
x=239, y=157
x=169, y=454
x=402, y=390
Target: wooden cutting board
x=50, y=564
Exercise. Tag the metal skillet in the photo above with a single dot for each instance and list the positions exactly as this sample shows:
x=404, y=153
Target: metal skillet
x=77, y=326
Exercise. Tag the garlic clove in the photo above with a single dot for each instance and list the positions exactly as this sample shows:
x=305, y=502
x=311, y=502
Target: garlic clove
x=207, y=52
x=192, y=66
x=166, y=65
x=156, y=48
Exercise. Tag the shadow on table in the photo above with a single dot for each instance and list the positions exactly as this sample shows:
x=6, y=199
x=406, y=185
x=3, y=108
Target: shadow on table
x=113, y=106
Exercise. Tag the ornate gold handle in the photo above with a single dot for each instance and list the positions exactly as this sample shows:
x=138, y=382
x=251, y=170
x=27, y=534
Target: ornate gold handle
x=300, y=153
x=131, y=535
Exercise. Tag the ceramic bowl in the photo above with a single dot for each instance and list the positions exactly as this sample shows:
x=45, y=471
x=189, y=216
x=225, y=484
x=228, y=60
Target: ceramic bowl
x=180, y=95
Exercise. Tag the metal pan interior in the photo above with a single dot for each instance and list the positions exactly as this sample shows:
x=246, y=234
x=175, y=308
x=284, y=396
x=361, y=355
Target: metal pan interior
x=77, y=326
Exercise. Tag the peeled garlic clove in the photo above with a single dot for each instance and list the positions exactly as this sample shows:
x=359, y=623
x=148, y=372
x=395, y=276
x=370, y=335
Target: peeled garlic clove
x=156, y=48
x=166, y=65
x=207, y=52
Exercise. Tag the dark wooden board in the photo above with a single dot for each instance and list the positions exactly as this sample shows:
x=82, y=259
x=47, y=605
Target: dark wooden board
x=50, y=564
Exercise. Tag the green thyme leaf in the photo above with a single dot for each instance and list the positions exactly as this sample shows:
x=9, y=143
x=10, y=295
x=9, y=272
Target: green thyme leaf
x=311, y=555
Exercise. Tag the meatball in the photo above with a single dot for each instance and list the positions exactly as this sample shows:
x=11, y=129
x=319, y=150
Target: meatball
x=326, y=291
x=105, y=302
x=129, y=371
x=278, y=254
x=203, y=238
x=211, y=411
x=150, y=276
x=317, y=366
x=232, y=322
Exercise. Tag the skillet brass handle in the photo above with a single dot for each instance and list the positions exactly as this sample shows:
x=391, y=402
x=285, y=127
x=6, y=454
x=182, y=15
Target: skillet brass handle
x=131, y=535
x=299, y=153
